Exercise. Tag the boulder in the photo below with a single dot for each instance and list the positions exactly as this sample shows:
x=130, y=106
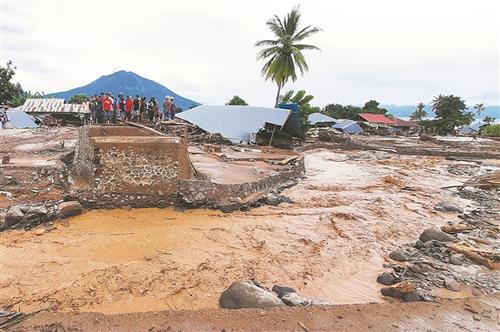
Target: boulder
x=446, y=206
x=316, y=302
x=405, y=291
x=435, y=234
x=283, y=290
x=294, y=300
x=273, y=199
x=398, y=255
x=387, y=278
x=67, y=209
x=37, y=211
x=246, y=294
x=13, y=215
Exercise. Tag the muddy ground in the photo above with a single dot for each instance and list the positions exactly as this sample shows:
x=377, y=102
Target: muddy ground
x=349, y=212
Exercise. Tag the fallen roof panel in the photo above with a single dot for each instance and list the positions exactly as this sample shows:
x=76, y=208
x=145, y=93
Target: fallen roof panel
x=319, y=118
x=236, y=123
x=19, y=119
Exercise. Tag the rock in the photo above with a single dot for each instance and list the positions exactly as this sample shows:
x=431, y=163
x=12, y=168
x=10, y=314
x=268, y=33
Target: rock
x=316, y=302
x=457, y=259
x=294, y=300
x=39, y=231
x=273, y=199
x=435, y=234
x=446, y=206
x=24, y=208
x=451, y=284
x=245, y=294
x=283, y=290
x=386, y=278
x=398, y=255
x=37, y=211
x=405, y=291
x=67, y=209
x=13, y=215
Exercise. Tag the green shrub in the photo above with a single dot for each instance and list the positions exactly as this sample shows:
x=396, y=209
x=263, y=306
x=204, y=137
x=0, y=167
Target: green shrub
x=491, y=130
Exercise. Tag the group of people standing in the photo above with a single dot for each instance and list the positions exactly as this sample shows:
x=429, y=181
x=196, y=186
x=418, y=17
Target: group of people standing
x=105, y=109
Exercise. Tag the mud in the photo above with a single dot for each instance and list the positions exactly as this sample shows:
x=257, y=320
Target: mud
x=349, y=212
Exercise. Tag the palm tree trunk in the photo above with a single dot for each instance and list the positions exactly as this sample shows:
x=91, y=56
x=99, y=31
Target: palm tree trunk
x=278, y=95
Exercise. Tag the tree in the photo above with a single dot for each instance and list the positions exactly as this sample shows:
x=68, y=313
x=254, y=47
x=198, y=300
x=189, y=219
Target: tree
x=489, y=120
x=302, y=99
x=479, y=108
x=21, y=98
x=284, y=54
x=78, y=99
x=419, y=114
x=8, y=90
x=236, y=100
x=372, y=107
x=450, y=113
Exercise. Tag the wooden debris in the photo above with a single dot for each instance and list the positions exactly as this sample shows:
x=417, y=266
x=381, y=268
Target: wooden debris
x=475, y=254
x=452, y=229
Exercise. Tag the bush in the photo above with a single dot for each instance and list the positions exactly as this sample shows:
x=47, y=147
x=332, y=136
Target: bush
x=491, y=130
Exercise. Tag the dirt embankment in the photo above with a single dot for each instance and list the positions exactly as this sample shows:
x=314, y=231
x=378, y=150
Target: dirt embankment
x=447, y=315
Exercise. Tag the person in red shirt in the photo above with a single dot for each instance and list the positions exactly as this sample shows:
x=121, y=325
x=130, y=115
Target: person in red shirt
x=129, y=106
x=107, y=107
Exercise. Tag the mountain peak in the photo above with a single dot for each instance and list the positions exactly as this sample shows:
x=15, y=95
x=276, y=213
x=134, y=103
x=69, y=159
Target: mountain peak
x=128, y=83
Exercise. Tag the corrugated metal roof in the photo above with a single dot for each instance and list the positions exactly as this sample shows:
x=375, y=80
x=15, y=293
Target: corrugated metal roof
x=348, y=126
x=237, y=123
x=319, y=118
x=403, y=123
x=51, y=105
x=376, y=118
x=19, y=119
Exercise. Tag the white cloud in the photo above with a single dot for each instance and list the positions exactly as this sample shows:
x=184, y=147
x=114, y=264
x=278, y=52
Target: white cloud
x=394, y=51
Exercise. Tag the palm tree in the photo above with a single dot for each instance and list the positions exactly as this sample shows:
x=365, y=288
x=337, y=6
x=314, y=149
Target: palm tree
x=479, y=108
x=284, y=54
x=419, y=113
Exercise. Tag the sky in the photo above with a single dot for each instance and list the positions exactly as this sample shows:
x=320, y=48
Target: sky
x=396, y=52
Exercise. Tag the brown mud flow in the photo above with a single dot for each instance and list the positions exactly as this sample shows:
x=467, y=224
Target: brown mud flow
x=347, y=214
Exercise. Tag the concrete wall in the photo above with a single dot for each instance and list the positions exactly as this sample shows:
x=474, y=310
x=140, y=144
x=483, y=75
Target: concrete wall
x=135, y=161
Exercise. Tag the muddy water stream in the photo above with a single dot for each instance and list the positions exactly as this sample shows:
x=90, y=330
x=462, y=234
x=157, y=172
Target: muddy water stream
x=347, y=214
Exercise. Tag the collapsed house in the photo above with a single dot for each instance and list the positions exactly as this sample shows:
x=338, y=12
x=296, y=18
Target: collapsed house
x=321, y=120
x=238, y=123
x=54, y=110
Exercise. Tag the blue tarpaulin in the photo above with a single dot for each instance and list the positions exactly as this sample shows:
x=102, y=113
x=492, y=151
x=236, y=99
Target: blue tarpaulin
x=19, y=119
x=237, y=123
x=349, y=127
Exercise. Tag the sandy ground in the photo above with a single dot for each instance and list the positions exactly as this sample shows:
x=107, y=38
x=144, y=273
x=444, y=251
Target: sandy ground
x=350, y=210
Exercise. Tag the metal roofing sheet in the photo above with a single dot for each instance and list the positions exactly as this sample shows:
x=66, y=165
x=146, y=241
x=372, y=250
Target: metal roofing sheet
x=376, y=118
x=19, y=119
x=319, y=118
x=348, y=126
x=236, y=123
x=403, y=123
x=51, y=105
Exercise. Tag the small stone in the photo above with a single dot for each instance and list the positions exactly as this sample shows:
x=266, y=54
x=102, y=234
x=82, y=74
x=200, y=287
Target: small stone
x=13, y=215
x=457, y=259
x=451, y=284
x=398, y=255
x=446, y=206
x=386, y=278
x=39, y=231
x=435, y=234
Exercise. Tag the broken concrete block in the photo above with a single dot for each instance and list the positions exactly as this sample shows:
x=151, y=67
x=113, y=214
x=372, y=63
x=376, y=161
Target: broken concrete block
x=67, y=209
x=246, y=294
